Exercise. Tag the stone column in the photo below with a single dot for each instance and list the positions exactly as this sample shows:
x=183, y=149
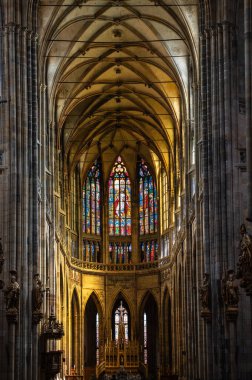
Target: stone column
x=12, y=329
x=204, y=93
x=248, y=96
x=134, y=221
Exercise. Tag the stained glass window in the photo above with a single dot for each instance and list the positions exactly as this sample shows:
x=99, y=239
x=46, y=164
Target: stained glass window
x=91, y=251
x=145, y=337
x=149, y=250
x=119, y=200
x=147, y=200
x=165, y=200
x=120, y=252
x=92, y=200
x=97, y=339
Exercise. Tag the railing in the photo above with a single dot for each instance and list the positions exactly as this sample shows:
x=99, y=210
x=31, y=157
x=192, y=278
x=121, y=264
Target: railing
x=92, y=266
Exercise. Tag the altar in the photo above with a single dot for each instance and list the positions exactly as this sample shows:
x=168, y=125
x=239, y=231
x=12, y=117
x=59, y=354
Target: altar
x=121, y=357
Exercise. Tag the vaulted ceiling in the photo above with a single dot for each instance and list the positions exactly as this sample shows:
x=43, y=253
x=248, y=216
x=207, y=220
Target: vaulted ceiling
x=117, y=75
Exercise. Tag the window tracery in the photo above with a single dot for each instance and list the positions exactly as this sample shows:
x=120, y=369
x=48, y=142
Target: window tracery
x=119, y=209
x=91, y=200
x=119, y=200
x=148, y=213
x=121, y=317
x=147, y=200
x=120, y=252
x=92, y=214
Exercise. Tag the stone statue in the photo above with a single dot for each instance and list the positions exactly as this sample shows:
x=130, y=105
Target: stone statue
x=37, y=293
x=11, y=293
x=230, y=291
x=37, y=299
x=244, y=266
x=204, y=292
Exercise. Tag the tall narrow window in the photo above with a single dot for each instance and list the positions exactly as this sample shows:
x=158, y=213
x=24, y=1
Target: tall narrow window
x=92, y=201
x=149, y=250
x=97, y=339
x=119, y=200
x=147, y=200
x=120, y=252
x=145, y=338
x=165, y=201
x=91, y=250
x=121, y=320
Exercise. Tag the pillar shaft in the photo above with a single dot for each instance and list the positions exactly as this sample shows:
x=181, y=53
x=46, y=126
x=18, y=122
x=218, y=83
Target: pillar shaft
x=248, y=96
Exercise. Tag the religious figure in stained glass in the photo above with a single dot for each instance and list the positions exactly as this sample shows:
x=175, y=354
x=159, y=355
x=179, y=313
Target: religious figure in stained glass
x=119, y=200
x=147, y=200
x=92, y=213
x=148, y=218
x=92, y=200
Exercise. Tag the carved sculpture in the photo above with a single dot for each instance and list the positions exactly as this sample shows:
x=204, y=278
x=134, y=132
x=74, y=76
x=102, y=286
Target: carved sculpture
x=230, y=294
x=53, y=329
x=11, y=293
x=204, y=292
x=2, y=259
x=244, y=266
x=37, y=299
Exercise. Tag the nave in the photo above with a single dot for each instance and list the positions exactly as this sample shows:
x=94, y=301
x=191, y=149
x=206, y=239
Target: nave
x=125, y=189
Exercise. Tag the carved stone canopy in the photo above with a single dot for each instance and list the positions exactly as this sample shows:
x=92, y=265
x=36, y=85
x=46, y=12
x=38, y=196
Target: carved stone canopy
x=53, y=329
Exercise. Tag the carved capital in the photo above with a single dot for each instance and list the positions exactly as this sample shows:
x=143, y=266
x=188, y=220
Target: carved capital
x=12, y=315
x=231, y=313
x=206, y=314
x=10, y=27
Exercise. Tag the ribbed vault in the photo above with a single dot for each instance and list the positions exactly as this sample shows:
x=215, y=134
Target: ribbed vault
x=118, y=75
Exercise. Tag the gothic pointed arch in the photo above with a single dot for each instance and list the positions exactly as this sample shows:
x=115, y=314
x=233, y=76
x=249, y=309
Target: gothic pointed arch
x=96, y=299
x=120, y=305
x=93, y=332
x=149, y=332
x=167, y=332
